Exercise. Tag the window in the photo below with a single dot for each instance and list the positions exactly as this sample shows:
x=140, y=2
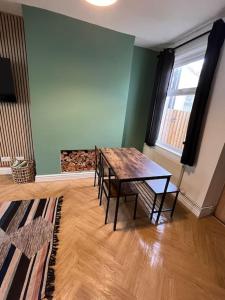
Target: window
x=177, y=109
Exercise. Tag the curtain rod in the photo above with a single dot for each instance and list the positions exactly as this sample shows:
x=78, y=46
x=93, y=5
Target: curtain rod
x=195, y=38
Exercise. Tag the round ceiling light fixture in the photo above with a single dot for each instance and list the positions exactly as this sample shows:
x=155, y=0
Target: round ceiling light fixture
x=102, y=2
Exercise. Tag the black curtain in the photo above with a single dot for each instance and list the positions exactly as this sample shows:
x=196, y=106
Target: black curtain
x=215, y=42
x=162, y=79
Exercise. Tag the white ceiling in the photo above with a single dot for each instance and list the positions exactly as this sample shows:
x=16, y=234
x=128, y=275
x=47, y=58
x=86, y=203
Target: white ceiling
x=152, y=22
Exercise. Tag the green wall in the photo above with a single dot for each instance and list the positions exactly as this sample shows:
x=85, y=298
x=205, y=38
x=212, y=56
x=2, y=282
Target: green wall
x=140, y=90
x=79, y=80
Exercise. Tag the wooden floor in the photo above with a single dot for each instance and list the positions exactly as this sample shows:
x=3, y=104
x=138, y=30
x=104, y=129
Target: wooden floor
x=179, y=260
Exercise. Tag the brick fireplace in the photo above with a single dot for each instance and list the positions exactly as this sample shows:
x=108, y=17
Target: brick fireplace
x=77, y=160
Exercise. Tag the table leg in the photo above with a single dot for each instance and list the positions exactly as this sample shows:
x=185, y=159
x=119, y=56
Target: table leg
x=153, y=207
x=117, y=206
x=163, y=199
x=174, y=205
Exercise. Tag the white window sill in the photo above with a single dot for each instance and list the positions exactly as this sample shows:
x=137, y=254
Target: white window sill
x=164, y=147
x=166, y=159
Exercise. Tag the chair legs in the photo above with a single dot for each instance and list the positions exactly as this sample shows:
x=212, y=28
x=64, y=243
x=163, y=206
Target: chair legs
x=107, y=210
x=107, y=207
x=173, y=208
x=100, y=193
x=95, y=178
x=99, y=187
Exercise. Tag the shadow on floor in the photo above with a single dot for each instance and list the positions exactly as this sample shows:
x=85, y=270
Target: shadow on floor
x=126, y=210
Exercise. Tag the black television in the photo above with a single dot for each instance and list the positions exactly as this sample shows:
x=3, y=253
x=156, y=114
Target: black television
x=7, y=91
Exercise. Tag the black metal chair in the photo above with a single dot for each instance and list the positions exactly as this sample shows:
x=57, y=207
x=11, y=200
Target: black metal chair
x=100, y=171
x=110, y=188
x=157, y=187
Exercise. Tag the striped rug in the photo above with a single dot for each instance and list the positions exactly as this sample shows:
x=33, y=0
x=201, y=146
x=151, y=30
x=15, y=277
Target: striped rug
x=28, y=245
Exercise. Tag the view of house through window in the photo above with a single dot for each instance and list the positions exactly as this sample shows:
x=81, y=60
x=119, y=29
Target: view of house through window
x=179, y=101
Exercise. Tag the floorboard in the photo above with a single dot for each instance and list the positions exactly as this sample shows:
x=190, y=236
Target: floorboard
x=179, y=260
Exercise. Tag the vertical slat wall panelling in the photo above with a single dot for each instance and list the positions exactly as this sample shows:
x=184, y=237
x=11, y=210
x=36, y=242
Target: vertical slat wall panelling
x=15, y=125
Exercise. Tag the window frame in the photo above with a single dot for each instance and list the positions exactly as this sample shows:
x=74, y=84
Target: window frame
x=174, y=93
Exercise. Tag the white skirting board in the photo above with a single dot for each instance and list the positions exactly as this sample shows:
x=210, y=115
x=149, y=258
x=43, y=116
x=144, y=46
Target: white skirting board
x=5, y=171
x=187, y=202
x=64, y=176
x=195, y=208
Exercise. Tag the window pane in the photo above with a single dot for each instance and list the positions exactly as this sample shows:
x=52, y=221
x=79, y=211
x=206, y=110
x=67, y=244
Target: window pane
x=175, y=121
x=183, y=103
x=178, y=106
x=189, y=74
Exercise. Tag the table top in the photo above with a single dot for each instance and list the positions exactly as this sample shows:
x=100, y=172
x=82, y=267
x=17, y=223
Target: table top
x=131, y=164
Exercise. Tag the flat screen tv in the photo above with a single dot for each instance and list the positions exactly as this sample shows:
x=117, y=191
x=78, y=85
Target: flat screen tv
x=7, y=91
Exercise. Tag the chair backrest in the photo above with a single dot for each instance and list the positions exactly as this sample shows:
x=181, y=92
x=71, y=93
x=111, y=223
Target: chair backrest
x=107, y=171
x=109, y=175
x=105, y=166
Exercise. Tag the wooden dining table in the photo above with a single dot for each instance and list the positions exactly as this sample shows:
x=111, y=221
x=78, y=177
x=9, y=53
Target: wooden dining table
x=129, y=164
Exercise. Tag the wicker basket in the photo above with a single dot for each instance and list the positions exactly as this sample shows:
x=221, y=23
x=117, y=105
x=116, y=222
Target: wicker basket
x=23, y=174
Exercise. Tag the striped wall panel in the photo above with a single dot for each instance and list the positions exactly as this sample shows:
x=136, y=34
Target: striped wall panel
x=15, y=125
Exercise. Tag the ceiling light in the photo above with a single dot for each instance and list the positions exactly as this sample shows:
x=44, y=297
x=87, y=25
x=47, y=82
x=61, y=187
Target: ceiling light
x=102, y=2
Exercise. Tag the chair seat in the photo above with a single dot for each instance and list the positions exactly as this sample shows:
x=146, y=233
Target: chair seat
x=126, y=188
x=158, y=186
